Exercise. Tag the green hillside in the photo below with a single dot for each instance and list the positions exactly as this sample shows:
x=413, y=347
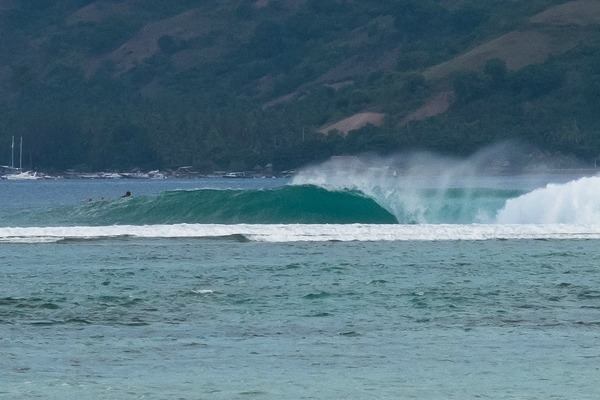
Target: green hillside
x=231, y=84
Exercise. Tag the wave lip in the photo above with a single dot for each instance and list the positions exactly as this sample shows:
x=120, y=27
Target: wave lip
x=307, y=232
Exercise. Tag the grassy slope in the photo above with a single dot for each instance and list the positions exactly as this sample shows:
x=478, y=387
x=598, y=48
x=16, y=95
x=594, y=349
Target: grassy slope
x=210, y=34
x=551, y=32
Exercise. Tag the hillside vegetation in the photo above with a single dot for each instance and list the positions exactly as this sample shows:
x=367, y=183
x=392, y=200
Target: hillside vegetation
x=231, y=84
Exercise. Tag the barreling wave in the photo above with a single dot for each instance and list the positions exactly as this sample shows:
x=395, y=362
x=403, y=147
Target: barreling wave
x=283, y=205
x=292, y=204
x=375, y=207
x=574, y=202
x=310, y=213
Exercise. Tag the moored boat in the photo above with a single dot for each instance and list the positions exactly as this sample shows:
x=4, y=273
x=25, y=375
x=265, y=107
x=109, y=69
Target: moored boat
x=25, y=175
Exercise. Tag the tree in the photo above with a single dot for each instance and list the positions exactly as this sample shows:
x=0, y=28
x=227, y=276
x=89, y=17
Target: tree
x=496, y=70
x=470, y=85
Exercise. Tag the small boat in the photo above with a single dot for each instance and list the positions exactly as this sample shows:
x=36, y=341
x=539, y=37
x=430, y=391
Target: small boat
x=236, y=175
x=22, y=176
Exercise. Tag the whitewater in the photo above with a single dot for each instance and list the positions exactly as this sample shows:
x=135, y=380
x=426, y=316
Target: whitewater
x=307, y=233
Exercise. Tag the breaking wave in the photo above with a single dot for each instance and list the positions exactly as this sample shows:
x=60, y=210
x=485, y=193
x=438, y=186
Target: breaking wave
x=283, y=205
x=574, y=202
x=339, y=201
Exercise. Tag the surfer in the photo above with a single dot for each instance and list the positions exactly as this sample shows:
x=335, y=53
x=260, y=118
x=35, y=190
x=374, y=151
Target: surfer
x=127, y=194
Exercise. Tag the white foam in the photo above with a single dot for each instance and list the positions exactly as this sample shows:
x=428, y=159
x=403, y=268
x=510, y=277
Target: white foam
x=30, y=239
x=203, y=291
x=575, y=202
x=309, y=232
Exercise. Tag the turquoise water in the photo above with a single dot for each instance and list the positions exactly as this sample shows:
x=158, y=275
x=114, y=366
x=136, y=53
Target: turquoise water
x=471, y=303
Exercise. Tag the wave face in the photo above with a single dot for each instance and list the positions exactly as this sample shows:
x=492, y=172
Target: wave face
x=283, y=205
x=295, y=204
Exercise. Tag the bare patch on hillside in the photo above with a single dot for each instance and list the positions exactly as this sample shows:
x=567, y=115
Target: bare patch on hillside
x=518, y=49
x=354, y=122
x=581, y=12
x=99, y=11
x=436, y=105
x=261, y=3
x=288, y=98
x=283, y=4
x=544, y=37
x=339, y=85
x=144, y=44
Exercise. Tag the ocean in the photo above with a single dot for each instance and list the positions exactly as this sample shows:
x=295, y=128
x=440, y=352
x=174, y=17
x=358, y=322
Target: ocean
x=336, y=284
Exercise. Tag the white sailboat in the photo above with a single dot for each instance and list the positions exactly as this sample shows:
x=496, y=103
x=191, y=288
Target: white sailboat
x=25, y=175
x=21, y=175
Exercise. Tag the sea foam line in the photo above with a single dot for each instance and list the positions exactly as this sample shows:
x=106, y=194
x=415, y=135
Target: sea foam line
x=307, y=232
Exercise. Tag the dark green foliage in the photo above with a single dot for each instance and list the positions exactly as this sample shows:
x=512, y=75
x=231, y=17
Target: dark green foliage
x=268, y=39
x=469, y=86
x=254, y=84
x=537, y=80
x=496, y=71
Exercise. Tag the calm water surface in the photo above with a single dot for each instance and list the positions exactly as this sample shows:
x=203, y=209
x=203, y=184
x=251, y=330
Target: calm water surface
x=222, y=319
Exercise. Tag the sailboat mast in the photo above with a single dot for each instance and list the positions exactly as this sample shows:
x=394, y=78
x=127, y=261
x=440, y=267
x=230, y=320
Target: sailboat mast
x=21, y=155
x=12, y=154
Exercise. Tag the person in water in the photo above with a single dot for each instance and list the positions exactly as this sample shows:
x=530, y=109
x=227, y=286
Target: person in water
x=127, y=194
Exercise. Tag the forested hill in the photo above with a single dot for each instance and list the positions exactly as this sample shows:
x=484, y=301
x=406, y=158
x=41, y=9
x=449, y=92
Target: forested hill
x=231, y=84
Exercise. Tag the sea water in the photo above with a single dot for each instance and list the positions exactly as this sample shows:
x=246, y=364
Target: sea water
x=317, y=288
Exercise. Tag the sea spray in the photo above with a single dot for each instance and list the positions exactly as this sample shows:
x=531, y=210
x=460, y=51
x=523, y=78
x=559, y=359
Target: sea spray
x=419, y=187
